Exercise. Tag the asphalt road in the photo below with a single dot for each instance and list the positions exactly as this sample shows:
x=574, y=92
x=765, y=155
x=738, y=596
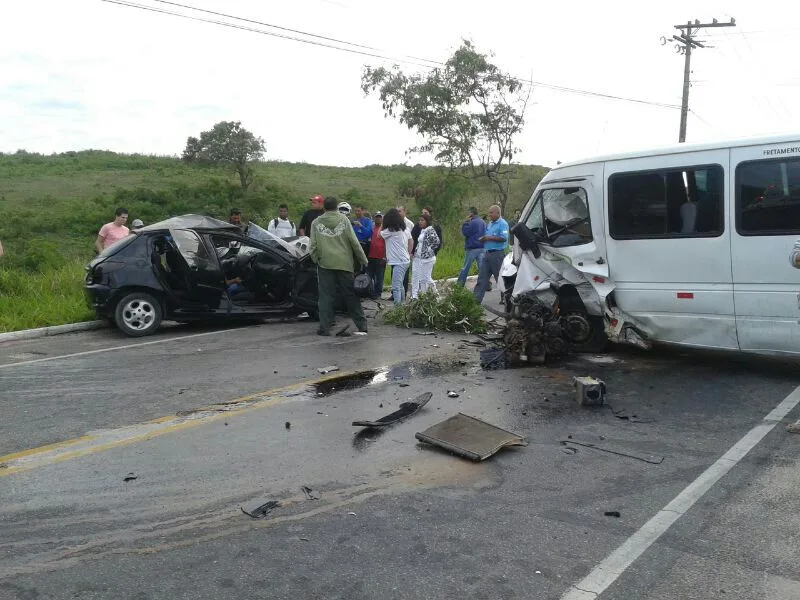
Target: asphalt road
x=197, y=417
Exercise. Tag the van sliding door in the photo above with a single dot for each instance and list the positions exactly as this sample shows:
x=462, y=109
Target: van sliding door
x=669, y=247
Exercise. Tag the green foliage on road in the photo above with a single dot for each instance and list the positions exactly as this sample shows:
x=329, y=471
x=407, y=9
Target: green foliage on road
x=453, y=309
x=51, y=208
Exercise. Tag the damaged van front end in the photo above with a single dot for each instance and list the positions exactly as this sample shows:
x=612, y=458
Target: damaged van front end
x=563, y=287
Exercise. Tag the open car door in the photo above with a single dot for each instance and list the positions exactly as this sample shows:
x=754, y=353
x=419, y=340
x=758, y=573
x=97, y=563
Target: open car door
x=304, y=285
x=206, y=283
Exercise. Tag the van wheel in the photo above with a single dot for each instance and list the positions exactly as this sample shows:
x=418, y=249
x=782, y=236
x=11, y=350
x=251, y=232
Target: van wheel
x=585, y=333
x=138, y=314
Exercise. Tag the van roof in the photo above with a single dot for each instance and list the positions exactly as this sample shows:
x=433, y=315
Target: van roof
x=684, y=148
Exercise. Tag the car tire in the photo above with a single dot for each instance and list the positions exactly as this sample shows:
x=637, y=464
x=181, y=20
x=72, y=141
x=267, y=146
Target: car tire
x=138, y=314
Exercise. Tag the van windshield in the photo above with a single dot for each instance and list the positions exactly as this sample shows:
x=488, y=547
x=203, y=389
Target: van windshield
x=560, y=216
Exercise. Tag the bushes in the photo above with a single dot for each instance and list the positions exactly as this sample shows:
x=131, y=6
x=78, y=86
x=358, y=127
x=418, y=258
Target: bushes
x=456, y=309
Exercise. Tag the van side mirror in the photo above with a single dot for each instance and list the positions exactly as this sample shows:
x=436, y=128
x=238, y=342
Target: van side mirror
x=527, y=239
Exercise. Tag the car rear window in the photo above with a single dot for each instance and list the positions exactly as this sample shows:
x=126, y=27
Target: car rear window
x=117, y=246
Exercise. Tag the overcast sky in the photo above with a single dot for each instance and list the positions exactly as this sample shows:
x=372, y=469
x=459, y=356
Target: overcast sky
x=81, y=74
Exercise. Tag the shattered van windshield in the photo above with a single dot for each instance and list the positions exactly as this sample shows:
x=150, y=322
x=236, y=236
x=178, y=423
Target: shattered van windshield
x=561, y=216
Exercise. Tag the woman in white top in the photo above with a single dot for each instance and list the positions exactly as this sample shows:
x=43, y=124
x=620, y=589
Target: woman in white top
x=424, y=256
x=398, y=250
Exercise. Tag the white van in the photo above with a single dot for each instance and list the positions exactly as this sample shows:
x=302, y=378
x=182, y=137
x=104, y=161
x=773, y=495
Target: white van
x=691, y=245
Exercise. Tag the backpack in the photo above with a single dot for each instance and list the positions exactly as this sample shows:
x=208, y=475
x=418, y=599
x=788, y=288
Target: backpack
x=275, y=223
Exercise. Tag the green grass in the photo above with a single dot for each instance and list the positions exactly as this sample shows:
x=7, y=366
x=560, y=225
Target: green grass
x=37, y=299
x=51, y=208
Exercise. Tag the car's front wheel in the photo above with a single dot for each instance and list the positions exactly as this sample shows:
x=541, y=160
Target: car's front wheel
x=138, y=314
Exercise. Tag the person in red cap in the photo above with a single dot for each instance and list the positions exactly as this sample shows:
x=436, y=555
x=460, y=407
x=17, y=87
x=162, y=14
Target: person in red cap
x=308, y=217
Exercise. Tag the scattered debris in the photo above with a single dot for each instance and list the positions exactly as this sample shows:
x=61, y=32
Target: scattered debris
x=262, y=511
x=328, y=369
x=494, y=358
x=452, y=394
x=351, y=513
x=793, y=427
x=181, y=390
x=648, y=458
x=623, y=415
x=569, y=450
x=469, y=437
x=474, y=343
x=288, y=425
x=589, y=391
x=424, y=333
x=303, y=539
x=405, y=410
x=404, y=384
x=130, y=477
x=311, y=494
x=612, y=513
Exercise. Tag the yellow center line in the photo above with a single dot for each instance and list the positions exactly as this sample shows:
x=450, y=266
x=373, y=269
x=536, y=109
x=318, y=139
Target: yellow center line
x=25, y=460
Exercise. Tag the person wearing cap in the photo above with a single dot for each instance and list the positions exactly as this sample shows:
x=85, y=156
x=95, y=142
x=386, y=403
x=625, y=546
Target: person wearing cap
x=137, y=224
x=312, y=213
x=336, y=252
x=376, y=267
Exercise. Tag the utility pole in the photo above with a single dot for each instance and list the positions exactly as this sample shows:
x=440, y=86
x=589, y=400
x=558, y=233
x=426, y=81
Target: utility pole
x=685, y=42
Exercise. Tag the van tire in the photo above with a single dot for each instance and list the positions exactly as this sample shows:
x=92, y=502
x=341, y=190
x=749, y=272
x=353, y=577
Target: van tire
x=597, y=341
x=138, y=314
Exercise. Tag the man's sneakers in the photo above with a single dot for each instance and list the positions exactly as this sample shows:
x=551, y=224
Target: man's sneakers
x=359, y=333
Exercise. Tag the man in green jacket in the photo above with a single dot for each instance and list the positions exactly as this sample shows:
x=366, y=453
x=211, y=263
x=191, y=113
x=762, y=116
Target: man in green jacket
x=335, y=250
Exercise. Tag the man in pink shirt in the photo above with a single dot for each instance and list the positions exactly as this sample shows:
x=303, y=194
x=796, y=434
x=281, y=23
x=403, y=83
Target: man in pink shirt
x=114, y=231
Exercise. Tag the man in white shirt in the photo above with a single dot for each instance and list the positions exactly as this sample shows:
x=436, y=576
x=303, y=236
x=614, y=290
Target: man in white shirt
x=281, y=226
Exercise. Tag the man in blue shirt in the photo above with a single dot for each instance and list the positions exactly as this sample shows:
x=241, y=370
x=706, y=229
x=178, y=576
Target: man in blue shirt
x=472, y=229
x=494, y=241
x=362, y=226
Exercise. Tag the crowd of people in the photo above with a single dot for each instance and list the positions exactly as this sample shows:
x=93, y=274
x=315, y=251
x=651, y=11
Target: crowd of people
x=346, y=241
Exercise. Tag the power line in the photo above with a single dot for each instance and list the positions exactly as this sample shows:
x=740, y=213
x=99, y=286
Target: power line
x=355, y=50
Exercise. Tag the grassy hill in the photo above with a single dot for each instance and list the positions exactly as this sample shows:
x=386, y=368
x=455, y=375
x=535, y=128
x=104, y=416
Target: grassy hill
x=52, y=206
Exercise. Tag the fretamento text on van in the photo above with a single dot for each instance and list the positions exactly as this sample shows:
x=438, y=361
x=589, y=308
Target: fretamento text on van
x=779, y=151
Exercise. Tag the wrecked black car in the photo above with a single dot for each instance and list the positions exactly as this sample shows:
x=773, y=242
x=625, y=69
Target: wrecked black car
x=197, y=268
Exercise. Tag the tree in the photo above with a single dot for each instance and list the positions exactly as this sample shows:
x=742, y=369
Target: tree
x=468, y=112
x=227, y=143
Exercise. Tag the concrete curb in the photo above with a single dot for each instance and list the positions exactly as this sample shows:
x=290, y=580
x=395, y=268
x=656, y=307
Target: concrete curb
x=40, y=332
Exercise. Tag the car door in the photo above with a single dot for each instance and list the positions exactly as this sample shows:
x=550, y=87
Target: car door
x=669, y=251
x=767, y=225
x=204, y=278
x=304, y=284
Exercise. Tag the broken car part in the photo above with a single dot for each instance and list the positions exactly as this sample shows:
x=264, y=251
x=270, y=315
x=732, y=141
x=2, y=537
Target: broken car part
x=263, y=510
x=406, y=410
x=589, y=391
x=648, y=458
x=469, y=437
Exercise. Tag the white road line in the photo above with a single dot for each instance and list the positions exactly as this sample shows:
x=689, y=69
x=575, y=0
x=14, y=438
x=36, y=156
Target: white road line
x=113, y=348
x=607, y=572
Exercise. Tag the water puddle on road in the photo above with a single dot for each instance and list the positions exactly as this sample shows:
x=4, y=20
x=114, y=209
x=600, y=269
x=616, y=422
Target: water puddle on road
x=398, y=373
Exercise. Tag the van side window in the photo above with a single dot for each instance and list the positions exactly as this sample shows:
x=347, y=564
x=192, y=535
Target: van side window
x=668, y=203
x=768, y=197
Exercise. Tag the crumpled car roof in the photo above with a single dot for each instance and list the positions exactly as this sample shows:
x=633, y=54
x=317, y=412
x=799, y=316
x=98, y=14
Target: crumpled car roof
x=190, y=222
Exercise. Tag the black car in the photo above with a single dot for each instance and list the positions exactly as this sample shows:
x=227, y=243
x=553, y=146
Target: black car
x=197, y=268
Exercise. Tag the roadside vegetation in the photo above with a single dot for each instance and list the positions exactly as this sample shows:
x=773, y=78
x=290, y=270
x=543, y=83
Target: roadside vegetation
x=453, y=309
x=51, y=208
